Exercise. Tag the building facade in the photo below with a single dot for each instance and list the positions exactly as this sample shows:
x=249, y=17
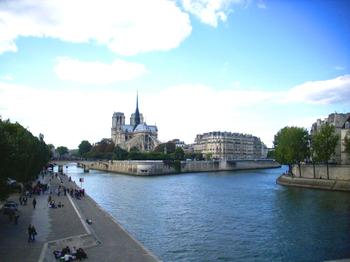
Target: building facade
x=341, y=122
x=135, y=135
x=229, y=146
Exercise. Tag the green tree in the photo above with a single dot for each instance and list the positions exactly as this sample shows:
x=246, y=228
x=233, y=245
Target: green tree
x=179, y=154
x=208, y=156
x=271, y=154
x=291, y=146
x=347, y=143
x=120, y=153
x=62, y=150
x=84, y=147
x=324, y=143
x=22, y=156
x=166, y=148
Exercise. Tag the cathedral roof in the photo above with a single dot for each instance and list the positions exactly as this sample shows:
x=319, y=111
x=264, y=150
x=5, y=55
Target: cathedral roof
x=127, y=128
x=143, y=127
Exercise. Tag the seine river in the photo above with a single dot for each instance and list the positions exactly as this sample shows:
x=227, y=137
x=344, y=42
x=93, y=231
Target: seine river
x=225, y=216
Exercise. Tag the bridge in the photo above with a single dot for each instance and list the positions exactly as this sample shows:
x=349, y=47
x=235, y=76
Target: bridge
x=62, y=163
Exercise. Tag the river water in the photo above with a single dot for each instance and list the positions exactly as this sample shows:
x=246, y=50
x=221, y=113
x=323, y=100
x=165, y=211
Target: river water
x=224, y=216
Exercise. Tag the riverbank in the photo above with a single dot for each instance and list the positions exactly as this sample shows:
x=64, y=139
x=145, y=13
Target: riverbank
x=325, y=184
x=103, y=240
x=151, y=168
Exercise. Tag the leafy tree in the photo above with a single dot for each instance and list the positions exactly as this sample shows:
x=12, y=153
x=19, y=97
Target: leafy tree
x=84, y=147
x=271, y=154
x=179, y=154
x=347, y=143
x=22, y=155
x=120, y=153
x=208, y=156
x=62, y=150
x=166, y=148
x=324, y=143
x=104, y=146
x=51, y=148
x=291, y=146
x=177, y=166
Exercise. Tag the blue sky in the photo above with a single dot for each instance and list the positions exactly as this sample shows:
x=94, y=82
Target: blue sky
x=199, y=66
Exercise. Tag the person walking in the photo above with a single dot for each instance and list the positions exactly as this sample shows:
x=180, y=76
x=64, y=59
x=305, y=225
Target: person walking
x=16, y=217
x=34, y=202
x=29, y=233
x=34, y=233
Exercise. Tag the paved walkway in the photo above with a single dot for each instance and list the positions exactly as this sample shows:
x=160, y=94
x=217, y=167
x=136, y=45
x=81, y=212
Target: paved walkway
x=103, y=240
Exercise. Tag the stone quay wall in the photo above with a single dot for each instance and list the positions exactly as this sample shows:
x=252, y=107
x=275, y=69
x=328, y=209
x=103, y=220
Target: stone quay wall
x=146, y=168
x=336, y=172
x=325, y=184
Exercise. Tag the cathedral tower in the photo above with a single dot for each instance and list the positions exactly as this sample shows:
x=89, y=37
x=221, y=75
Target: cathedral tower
x=137, y=113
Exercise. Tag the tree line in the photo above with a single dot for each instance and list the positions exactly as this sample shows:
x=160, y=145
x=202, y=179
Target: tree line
x=106, y=149
x=294, y=145
x=22, y=155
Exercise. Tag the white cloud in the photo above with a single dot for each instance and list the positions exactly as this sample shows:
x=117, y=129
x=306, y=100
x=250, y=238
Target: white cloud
x=261, y=4
x=68, y=116
x=126, y=27
x=330, y=91
x=94, y=72
x=211, y=11
x=6, y=77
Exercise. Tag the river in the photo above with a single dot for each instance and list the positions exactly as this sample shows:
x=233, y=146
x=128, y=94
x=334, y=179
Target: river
x=224, y=216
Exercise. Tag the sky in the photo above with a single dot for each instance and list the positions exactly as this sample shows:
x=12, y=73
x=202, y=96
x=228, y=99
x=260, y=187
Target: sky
x=246, y=66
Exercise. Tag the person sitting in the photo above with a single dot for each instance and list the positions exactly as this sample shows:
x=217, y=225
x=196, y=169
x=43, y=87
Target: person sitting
x=52, y=204
x=66, y=250
x=81, y=254
x=68, y=257
x=57, y=254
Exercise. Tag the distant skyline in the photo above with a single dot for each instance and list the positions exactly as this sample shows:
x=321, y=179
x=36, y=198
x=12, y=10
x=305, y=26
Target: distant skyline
x=199, y=66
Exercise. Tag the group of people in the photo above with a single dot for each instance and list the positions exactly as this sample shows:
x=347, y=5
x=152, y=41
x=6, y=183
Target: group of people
x=69, y=255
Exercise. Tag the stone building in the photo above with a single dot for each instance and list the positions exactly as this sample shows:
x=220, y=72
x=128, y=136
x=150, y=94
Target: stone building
x=228, y=146
x=341, y=122
x=135, y=135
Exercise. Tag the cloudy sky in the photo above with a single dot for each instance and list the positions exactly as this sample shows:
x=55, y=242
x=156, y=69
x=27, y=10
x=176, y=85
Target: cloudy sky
x=245, y=66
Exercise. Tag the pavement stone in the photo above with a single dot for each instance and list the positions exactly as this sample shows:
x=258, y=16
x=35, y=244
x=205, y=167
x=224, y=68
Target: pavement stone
x=103, y=240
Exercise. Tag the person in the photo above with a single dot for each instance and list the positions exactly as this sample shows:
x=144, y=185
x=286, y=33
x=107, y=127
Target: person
x=81, y=254
x=34, y=202
x=33, y=232
x=29, y=233
x=16, y=217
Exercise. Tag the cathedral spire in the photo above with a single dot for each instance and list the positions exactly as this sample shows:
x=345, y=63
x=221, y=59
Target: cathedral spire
x=137, y=113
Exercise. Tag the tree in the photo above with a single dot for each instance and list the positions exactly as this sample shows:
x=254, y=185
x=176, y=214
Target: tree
x=271, y=154
x=22, y=155
x=62, y=150
x=120, y=153
x=84, y=147
x=179, y=154
x=208, y=156
x=291, y=146
x=347, y=143
x=324, y=143
x=166, y=148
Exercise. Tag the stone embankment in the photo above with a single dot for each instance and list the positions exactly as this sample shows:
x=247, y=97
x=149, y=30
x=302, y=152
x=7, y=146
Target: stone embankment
x=147, y=168
x=316, y=177
x=103, y=239
x=336, y=185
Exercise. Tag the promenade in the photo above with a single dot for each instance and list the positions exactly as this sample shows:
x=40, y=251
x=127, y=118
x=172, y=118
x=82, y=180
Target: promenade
x=103, y=240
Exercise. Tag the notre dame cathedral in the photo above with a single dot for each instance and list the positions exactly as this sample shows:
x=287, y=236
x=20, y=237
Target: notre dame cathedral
x=135, y=135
